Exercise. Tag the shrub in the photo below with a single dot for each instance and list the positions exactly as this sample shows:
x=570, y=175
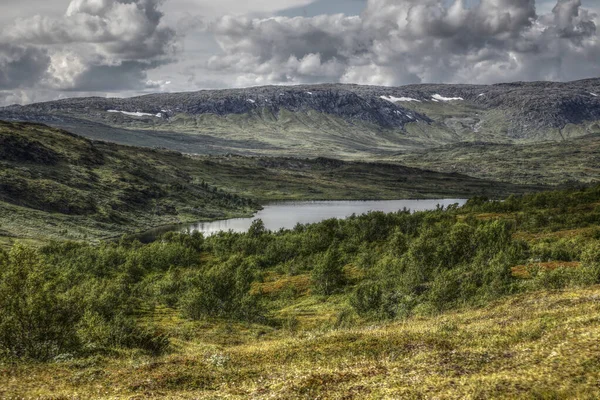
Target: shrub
x=367, y=298
x=328, y=275
x=223, y=291
x=35, y=323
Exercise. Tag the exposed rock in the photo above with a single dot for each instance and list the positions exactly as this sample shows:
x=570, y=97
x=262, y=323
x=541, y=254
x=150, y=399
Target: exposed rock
x=525, y=109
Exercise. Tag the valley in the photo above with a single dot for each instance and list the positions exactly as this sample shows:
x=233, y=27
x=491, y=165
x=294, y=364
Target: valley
x=56, y=185
x=495, y=297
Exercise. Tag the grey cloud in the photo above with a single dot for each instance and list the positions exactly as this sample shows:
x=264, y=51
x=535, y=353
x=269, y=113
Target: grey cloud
x=129, y=29
x=397, y=42
x=572, y=22
x=129, y=75
x=20, y=66
x=98, y=45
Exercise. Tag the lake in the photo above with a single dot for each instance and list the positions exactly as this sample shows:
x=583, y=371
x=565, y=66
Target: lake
x=287, y=214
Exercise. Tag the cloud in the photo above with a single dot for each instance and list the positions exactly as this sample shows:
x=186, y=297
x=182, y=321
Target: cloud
x=399, y=42
x=286, y=49
x=127, y=47
x=128, y=29
x=97, y=45
x=21, y=65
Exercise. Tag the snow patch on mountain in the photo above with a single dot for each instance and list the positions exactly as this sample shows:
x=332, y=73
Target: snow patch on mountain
x=397, y=99
x=136, y=114
x=442, y=98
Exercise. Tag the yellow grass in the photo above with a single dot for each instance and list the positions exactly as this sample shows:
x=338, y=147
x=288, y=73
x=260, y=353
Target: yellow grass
x=522, y=271
x=563, y=234
x=543, y=345
x=276, y=284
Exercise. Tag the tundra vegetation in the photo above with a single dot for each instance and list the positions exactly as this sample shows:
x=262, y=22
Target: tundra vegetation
x=495, y=299
x=57, y=185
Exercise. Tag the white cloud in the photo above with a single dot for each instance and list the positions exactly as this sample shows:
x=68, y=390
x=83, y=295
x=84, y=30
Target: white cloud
x=96, y=45
x=395, y=43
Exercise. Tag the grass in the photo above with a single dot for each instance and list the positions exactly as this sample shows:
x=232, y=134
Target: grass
x=551, y=163
x=536, y=346
x=523, y=271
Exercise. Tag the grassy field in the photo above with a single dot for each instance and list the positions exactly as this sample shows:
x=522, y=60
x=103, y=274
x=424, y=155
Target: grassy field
x=543, y=345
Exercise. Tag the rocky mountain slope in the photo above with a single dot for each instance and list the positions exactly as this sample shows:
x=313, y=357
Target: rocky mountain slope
x=347, y=121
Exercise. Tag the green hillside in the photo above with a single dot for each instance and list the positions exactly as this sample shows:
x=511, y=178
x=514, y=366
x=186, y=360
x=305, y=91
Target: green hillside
x=54, y=184
x=550, y=163
x=492, y=300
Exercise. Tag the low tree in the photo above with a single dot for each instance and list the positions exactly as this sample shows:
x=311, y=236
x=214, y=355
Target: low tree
x=328, y=275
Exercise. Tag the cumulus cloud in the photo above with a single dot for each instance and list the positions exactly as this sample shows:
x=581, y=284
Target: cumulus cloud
x=127, y=47
x=97, y=45
x=399, y=42
x=120, y=28
x=19, y=66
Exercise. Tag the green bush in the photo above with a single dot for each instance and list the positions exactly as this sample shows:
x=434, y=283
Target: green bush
x=223, y=291
x=35, y=322
x=327, y=275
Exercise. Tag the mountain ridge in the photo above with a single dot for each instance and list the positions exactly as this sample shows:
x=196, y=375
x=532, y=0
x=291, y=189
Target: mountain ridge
x=331, y=120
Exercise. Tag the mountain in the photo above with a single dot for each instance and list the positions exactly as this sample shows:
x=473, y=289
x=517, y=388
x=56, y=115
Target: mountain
x=333, y=120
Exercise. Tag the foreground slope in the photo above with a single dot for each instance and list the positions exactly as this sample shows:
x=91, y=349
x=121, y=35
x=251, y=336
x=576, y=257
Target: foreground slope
x=339, y=121
x=54, y=184
x=495, y=299
x=543, y=345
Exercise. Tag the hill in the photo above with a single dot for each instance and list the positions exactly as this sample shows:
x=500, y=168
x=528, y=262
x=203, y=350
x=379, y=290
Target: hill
x=337, y=121
x=549, y=162
x=54, y=184
x=496, y=299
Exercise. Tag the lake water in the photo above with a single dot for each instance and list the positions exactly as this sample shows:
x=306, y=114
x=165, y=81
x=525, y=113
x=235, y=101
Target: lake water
x=287, y=214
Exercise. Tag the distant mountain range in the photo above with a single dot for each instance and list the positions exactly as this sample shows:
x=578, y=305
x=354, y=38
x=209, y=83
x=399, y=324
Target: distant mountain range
x=334, y=120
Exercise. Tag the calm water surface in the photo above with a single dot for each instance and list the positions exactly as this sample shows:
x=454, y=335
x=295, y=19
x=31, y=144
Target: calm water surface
x=287, y=214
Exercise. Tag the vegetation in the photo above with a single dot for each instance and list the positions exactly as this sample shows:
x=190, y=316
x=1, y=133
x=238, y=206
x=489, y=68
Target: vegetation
x=55, y=185
x=550, y=163
x=497, y=299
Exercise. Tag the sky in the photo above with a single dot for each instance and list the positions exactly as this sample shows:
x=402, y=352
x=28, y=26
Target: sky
x=51, y=49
